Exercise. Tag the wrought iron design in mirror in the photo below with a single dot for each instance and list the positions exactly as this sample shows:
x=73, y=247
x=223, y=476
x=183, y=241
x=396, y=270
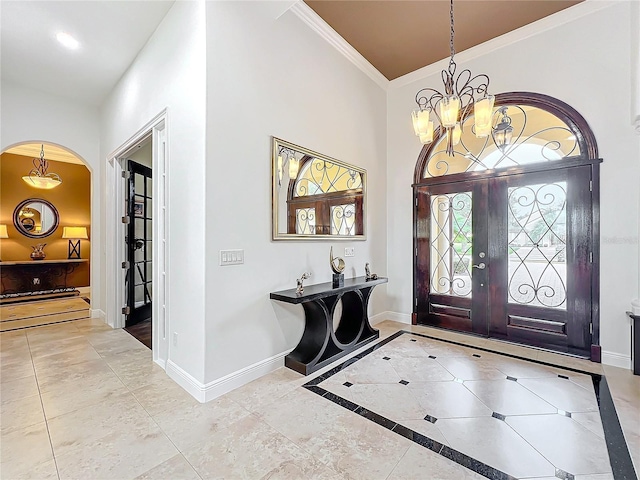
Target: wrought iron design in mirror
x=36, y=218
x=526, y=128
x=315, y=196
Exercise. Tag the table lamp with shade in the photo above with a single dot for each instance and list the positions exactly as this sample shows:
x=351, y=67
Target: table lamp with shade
x=3, y=232
x=77, y=234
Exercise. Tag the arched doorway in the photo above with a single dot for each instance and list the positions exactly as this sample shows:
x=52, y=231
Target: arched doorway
x=506, y=229
x=46, y=215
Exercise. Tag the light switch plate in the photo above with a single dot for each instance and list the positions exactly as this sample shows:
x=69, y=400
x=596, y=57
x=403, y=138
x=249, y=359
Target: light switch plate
x=350, y=251
x=231, y=257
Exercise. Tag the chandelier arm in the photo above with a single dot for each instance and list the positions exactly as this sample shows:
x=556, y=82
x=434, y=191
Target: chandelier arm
x=482, y=87
x=422, y=100
x=54, y=176
x=463, y=80
x=447, y=78
x=467, y=92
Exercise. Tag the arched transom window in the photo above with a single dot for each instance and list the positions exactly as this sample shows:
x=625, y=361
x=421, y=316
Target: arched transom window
x=526, y=129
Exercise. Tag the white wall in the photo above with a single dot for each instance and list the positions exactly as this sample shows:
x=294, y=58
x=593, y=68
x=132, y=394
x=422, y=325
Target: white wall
x=29, y=115
x=275, y=76
x=170, y=73
x=585, y=63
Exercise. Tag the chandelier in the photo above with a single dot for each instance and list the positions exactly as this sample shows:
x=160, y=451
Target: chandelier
x=461, y=93
x=39, y=177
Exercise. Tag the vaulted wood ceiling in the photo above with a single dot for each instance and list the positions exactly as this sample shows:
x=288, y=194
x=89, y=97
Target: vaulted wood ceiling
x=398, y=37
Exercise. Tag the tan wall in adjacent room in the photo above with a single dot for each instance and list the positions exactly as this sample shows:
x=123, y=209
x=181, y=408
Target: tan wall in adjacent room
x=72, y=199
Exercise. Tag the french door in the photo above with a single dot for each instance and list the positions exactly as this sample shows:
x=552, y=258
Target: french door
x=508, y=257
x=139, y=267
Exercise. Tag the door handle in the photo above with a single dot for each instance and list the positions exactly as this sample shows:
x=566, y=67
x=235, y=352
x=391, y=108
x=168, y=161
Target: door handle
x=480, y=266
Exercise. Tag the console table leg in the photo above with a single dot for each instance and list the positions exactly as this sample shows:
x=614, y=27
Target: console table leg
x=314, y=338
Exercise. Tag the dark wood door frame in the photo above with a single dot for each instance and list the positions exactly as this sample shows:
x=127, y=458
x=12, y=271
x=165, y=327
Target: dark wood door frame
x=588, y=149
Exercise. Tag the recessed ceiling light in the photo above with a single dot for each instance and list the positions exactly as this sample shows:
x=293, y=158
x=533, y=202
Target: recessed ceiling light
x=67, y=40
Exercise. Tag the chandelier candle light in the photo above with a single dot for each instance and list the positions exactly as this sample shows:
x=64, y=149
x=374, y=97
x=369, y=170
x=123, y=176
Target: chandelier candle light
x=287, y=155
x=453, y=106
x=39, y=177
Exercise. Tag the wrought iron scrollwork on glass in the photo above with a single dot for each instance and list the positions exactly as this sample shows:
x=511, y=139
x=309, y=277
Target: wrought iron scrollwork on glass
x=321, y=176
x=451, y=242
x=306, y=221
x=537, y=225
x=343, y=219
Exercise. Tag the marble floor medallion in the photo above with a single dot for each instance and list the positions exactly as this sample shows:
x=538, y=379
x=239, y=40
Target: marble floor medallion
x=498, y=415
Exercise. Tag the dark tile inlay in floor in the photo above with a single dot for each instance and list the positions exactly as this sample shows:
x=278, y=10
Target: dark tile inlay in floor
x=347, y=384
x=432, y=356
x=431, y=419
x=476, y=355
x=616, y=444
x=513, y=379
x=386, y=358
x=403, y=382
x=565, y=413
x=413, y=340
x=499, y=416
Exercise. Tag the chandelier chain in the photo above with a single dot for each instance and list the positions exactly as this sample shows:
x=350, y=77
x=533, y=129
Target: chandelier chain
x=452, y=47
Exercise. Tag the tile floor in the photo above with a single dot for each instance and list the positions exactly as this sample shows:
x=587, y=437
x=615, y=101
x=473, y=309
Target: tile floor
x=82, y=401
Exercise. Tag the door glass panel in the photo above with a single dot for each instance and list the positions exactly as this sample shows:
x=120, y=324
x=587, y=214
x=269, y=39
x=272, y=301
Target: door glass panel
x=537, y=222
x=138, y=183
x=451, y=227
x=306, y=221
x=343, y=219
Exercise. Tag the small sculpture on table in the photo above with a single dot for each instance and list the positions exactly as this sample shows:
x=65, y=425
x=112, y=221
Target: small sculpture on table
x=368, y=274
x=38, y=252
x=300, y=287
x=338, y=276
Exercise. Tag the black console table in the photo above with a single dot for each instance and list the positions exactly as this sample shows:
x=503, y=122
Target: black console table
x=32, y=279
x=320, y=344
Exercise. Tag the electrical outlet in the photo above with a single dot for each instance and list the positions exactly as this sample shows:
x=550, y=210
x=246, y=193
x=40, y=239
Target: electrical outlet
x=231, y=257
x=350, y=251
x=175, y=339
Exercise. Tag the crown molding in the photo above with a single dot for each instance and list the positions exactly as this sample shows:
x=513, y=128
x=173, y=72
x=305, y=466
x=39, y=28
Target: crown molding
x=555, y=20
x=322, y=28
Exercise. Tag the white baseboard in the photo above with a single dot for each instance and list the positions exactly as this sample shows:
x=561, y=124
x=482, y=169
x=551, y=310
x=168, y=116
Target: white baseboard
x=97, y=313
x=186, y=381
x=393, y=316
x=616, y=360
x=209, y=391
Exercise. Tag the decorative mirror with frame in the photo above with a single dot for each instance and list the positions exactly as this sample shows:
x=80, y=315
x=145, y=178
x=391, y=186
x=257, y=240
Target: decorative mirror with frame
x=36, y=218
x=315, y=196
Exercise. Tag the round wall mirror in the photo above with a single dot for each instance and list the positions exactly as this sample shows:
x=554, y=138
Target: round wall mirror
x=36, y=218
